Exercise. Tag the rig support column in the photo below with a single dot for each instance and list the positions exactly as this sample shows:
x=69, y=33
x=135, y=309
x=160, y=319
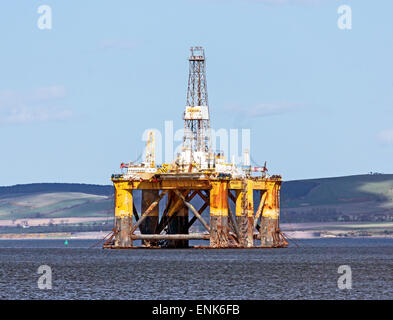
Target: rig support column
x=245, y=213
x=269, y=230
x=123, y=216
x=150, y=224
x=219, y=214
x=178, y=221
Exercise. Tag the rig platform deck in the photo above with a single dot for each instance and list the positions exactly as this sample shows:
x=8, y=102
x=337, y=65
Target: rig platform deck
x=246, y=227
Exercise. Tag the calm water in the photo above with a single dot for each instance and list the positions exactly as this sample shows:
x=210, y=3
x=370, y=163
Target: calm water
x=305, y=272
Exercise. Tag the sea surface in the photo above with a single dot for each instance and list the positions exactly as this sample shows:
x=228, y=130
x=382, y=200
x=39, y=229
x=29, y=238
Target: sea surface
x=306, y=271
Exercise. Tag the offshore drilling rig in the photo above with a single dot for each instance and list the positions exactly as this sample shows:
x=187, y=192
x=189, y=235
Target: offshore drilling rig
x=196, y=172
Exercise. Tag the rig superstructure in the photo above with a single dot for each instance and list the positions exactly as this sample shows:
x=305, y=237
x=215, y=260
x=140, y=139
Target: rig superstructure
x=196, y=172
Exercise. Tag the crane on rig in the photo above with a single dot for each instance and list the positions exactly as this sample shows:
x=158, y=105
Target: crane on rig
x=150, y=150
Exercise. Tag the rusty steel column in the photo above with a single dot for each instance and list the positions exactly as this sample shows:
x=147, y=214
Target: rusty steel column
x=245, y=213
x=182, y=223
x=219, y=214
x=269, y=229
x=150, y=224
x=123, y=217
x=178, y=221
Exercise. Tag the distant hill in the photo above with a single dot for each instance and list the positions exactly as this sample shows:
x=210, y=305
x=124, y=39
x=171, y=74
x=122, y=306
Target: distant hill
x=55, y=200
x=351, y=198
x=104, y=190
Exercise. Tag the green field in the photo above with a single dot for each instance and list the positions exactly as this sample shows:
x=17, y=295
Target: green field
x=352, y=198
x=54, y=205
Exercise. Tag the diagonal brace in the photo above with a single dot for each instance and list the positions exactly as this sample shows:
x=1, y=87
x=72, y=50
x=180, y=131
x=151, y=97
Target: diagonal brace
x=234, y=224
x=194, y=211
x=260, y=208
x=148, y=210
x=170, y=210
x=200, y=211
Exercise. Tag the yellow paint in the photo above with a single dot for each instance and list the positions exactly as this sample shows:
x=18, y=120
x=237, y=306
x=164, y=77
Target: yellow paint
x=218, y=194
x=235, y=184
x=123, y=202
x=249, y=210
x=171, y=184
x=271, y=208
x=192, y=110
x=219, y=198
x=271, y=213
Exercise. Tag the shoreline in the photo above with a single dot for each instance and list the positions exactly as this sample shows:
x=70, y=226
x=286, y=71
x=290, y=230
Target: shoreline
x=297, y=235
x=56, y=236
x=308, y=230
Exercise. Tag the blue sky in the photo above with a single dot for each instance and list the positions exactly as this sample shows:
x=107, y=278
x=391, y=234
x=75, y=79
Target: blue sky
x=75, y=100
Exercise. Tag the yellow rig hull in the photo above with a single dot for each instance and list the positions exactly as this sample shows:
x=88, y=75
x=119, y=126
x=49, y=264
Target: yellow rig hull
x=247, y=227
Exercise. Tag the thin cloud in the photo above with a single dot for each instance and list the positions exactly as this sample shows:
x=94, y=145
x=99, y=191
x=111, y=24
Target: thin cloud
x=36, y=105
x=265, y=109
x=386, y=136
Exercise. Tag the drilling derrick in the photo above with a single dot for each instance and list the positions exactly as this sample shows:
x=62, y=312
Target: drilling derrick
x=225, y=188
x=196, y=115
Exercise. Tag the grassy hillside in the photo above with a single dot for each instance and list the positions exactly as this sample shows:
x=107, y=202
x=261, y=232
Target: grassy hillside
x=55, y=200
x=56, y=187
x=352, y=198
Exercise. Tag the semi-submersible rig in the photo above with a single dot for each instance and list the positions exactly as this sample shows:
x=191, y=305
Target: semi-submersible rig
x=196, y=172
